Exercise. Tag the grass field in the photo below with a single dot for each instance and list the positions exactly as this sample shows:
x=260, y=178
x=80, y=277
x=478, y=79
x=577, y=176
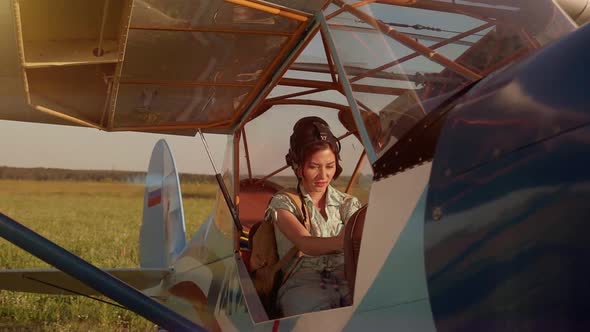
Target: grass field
x=97, y=221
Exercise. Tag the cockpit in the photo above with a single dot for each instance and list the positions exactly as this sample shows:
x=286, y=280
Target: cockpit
x=401, y=62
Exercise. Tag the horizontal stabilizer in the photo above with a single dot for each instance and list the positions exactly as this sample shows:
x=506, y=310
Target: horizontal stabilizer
x=52, y=281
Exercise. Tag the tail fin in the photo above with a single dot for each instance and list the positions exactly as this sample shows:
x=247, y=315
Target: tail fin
x=162, y=236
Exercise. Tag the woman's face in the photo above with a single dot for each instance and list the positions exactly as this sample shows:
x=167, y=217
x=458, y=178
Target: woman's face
x=319, y=170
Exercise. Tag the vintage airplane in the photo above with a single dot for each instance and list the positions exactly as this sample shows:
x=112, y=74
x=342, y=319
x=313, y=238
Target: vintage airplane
x=473, y=115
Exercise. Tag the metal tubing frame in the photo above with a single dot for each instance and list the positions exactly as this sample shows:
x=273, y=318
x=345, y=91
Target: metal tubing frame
x=410, y=43
x=382, y=90
x=231, y=203
x=412, y=35
x=212, y=30
x=355, y=5
x=328, y=58
x=356, y=172
x=236, y=175
x=272, y=9
x=533, y=43
x=448, y=7
x=187, y=83
x=287, y=166
x=272, y=174
x=317, y=68
x=268, y=79
x=310, y=102
x=366, y=140
x=93, y=277
x=295, y=94
x=236, y=179
x=188, y=125
x=123, y=37
x=297, y=49
x=415, y=54
x=247, y=152
x=66, y=117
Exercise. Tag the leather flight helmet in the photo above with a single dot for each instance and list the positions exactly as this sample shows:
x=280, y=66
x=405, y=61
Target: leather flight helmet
x=306, y=132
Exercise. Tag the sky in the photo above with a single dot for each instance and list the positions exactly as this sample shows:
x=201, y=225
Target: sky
x=41, y=145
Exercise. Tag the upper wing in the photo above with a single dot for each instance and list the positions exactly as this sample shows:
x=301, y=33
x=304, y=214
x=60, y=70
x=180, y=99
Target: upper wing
x=52, y=281
x=143, y=65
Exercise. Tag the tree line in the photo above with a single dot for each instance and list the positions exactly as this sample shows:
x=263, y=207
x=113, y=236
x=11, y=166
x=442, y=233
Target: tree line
x=58, y=174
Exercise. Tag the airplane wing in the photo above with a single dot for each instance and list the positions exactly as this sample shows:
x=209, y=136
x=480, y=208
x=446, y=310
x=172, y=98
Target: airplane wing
x=52, y=281
x=144, y=65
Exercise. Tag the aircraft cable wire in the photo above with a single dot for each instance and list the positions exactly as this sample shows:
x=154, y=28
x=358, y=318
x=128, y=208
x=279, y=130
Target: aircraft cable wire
x=418, y=27
x=74, y=292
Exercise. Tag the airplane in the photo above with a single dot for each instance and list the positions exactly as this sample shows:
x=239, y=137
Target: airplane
x=471, y=116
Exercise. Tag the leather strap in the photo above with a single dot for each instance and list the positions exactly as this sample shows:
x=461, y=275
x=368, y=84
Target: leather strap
x=296, y=200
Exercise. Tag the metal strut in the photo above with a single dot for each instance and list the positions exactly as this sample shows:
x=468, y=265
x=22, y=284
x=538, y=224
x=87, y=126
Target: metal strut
x=93, y=277
x=230, y=204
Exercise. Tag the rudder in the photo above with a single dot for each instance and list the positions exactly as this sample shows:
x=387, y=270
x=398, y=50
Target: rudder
x=162, y=235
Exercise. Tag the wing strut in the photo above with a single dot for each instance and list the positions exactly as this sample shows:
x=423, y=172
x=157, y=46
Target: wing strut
x=74, y=292
x=93, y=277
x=230, y=204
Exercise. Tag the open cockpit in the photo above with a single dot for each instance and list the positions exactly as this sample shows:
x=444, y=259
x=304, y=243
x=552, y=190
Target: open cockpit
x=400, y=81
x=262, y=145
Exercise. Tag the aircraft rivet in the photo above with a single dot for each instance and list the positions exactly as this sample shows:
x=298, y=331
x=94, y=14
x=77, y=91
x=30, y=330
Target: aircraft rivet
x=395, y=153
x=437, y=213
x=409, y=139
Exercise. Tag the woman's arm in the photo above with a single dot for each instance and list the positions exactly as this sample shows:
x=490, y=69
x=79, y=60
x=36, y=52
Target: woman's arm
x=300, y=237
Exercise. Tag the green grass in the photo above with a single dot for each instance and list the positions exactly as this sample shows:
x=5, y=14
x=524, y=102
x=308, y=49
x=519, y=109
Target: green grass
x=97, y=221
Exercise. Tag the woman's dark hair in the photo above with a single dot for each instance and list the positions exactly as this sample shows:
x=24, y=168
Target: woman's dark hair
x=311, y=134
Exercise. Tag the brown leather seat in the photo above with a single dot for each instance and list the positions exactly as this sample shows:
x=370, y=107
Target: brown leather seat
x=353, y=233
x=254, y=198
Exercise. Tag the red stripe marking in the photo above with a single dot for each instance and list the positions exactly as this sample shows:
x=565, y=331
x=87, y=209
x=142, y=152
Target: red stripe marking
x=275, y=326
x=154, y=197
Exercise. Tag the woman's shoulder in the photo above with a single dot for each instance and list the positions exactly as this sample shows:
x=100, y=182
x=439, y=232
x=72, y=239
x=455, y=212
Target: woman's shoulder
x=284, y=199
x=281, y=200
x=280, y=197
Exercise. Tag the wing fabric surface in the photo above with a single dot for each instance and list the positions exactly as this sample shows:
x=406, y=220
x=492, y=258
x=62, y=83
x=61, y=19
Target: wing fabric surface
x=157, y=66
x=53, y=281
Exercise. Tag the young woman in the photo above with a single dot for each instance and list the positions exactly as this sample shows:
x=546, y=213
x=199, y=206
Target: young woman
x=315, y=280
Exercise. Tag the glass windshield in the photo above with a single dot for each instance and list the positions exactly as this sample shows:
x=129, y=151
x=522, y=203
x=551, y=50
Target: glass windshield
x=402, y=60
